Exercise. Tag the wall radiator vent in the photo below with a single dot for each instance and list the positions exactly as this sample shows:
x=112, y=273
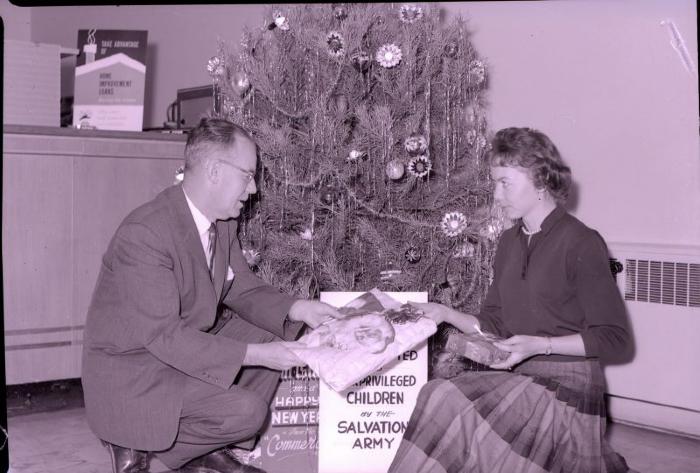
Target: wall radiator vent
x=662, y=282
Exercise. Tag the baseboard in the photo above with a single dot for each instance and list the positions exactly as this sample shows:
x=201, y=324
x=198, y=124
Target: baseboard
x=46, y=396
x=659, y=417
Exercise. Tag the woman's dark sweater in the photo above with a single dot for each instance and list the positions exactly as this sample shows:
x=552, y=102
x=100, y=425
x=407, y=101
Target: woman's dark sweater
x=559, y=284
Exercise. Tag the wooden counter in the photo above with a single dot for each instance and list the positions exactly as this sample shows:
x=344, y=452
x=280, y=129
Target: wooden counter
x=64, y=193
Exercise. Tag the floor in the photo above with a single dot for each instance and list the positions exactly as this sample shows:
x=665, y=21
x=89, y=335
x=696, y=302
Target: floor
x=61, y=442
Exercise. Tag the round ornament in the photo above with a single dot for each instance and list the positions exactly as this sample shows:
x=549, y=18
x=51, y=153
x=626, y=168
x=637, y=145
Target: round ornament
x=453, y=223
x=389, y=55
x=416, y=144
x=394, y=169
x=328, y=195
x=412, y=255
x=215, y=67
x=335, y=44
x=410, y=13
x=360, y=61
x=355, y=156
x=420, y=166
x=240, y=83
x=339, y=11
x=451, y=49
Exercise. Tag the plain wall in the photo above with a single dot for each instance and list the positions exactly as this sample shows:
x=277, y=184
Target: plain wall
x=599, y=77
x=602, y=80
x=16, y=21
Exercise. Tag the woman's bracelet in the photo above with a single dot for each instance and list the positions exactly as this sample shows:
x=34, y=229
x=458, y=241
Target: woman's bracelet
x=548, y=351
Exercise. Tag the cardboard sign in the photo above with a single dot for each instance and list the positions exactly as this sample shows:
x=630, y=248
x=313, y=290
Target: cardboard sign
x=313, y=429
x=289, y=444
x=361, y=427
x=110, y=77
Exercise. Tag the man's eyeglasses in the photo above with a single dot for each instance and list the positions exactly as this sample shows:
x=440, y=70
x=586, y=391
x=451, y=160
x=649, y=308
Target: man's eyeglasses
x=248, y=175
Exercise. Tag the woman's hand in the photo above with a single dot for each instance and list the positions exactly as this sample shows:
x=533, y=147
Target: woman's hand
x=521, y=347
x=466, y=323
x=437, y=312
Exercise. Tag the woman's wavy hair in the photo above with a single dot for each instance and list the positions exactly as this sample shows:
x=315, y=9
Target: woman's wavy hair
x=534, y=151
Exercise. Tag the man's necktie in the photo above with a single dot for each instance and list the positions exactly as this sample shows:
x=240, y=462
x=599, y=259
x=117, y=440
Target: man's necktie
x=211, y=249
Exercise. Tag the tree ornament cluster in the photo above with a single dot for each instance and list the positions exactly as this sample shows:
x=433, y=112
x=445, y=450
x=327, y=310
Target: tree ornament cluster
x=389, y=55
x=410, y=13
x=336, y=44
x=370, y=122
x=420, y=166
x=416, y=144
x=215, y=67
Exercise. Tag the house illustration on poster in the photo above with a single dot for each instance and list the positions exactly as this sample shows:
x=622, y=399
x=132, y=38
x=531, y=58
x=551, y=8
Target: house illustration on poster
x=110, y=80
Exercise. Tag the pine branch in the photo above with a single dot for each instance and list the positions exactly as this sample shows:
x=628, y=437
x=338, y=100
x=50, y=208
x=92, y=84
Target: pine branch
x=389, y=216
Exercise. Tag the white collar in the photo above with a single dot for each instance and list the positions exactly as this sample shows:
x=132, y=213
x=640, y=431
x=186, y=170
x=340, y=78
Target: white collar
x=200, y=220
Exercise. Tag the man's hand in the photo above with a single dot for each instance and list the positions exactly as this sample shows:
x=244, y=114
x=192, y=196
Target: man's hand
x=274, y=355
x=312, y=313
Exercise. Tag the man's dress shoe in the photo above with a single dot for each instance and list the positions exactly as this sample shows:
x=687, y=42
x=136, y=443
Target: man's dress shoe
x=219, y=461
x=127, y=460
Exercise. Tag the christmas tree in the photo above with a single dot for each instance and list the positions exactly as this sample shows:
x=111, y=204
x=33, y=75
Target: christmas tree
x=371, y=132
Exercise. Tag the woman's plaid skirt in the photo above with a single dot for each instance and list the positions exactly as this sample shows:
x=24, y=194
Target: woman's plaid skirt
x=544, y=416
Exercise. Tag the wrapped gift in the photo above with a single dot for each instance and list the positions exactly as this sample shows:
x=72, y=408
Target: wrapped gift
x=477, y=346
x=375, y=331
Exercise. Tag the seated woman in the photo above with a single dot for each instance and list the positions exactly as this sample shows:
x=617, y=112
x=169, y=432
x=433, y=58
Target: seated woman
x=554, y=300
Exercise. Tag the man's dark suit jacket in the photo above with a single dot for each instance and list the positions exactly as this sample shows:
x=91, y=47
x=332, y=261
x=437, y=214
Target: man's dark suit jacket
x=145, y=332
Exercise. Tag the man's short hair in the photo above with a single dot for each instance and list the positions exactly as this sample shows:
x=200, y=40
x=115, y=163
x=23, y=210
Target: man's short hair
x=208, y=134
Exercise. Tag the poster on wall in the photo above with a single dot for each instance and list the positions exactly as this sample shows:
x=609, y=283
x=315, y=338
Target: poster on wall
x=110, y=77
x=360, y=428
x=290, y=442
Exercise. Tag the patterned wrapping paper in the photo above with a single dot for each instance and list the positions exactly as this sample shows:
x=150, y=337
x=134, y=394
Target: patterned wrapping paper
x=477, y=346
x=376, y=330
